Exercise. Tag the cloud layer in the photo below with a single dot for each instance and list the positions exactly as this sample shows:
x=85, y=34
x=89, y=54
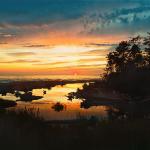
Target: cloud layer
x=96, y=17
x=39, y=34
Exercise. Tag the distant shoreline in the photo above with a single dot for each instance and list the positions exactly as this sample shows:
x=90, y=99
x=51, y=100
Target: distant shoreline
x=6, y=81
x=29, y=85
x=8, y=78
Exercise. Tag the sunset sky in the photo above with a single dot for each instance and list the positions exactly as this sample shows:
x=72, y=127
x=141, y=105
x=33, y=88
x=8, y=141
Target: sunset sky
x=66, y=37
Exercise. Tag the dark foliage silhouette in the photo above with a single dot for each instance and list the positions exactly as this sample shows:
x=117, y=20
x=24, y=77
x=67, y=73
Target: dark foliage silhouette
x=128, y=68
x=127, y=74
x=59, y=107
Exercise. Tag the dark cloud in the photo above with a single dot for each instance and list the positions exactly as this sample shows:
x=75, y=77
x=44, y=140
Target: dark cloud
x=38, y=12
x=76, y=62
x=93, y=60
x=52, y=63
x=119, y=20
x=79, y=67
x=98, y=17
x=34, y=46
x=18, y=54
x=96, y=52
x=19, y=61
x=100, y=44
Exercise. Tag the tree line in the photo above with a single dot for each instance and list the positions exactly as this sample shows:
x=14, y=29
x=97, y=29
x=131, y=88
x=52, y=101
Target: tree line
x=128, y=67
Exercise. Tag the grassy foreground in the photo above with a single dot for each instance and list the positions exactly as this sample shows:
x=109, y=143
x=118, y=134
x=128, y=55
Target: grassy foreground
x=27, y=130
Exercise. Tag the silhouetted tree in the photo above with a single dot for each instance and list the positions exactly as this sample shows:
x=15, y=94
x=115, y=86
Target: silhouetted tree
x=128, y=67
x=147, y=50
x=127, y=71
x=128, y=55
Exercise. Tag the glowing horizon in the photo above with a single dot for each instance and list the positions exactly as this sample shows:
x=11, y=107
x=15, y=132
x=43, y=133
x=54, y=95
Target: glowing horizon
x=58, y=60
x=65, y=37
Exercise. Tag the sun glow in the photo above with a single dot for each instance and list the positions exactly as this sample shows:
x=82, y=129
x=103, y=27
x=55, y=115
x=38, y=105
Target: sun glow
x=57, y=59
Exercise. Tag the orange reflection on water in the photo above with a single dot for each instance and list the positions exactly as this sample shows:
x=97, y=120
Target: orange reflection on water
x=71, y=109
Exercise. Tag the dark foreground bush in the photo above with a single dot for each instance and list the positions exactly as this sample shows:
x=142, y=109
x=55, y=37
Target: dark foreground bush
x=25, y=130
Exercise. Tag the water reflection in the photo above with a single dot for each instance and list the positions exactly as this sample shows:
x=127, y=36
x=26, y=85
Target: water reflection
x=54, y=101
x=53, y=104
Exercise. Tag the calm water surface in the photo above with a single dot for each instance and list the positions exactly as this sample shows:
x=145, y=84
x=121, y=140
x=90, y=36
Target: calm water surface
x=57, y=94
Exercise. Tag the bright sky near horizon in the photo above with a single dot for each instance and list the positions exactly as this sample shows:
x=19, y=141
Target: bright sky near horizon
x=66, y=37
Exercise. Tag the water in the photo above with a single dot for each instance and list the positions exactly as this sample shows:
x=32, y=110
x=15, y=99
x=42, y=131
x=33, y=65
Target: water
x=57, y=94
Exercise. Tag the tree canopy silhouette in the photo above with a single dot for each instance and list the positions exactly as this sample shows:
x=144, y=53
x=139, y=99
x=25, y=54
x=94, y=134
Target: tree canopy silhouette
x=128, y=67
x=127, y=73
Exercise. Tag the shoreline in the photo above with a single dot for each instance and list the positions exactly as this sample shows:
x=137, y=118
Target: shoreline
x=30, y=85
x=6, y=79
